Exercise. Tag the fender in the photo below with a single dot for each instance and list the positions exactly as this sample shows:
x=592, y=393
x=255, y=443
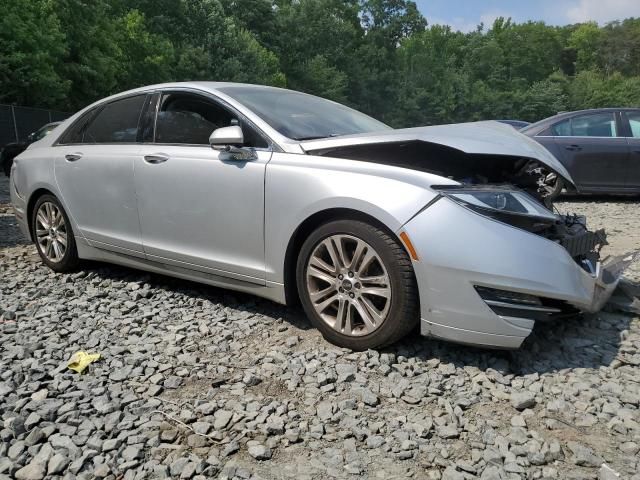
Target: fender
x=297, y=187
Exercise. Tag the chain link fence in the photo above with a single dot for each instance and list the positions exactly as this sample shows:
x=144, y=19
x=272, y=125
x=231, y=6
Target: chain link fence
x=18, y=122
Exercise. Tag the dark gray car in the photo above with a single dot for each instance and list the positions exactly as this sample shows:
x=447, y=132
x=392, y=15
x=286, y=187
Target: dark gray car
x=600, y=148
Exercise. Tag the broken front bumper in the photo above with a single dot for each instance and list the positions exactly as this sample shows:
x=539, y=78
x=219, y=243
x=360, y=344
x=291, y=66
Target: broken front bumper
x=608, y=276
x=461, y=252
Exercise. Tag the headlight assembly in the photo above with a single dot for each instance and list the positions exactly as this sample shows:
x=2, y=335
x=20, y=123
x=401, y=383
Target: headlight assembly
x=514, y=207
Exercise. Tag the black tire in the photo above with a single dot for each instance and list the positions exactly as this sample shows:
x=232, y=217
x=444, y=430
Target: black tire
x=403, y=314
x=70, y=260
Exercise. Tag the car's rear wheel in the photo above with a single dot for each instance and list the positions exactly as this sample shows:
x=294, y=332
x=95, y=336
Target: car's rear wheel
x=53, y=235
x=356, y=284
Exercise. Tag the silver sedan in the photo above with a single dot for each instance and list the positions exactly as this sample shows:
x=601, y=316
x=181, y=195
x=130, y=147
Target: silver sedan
x=375, y=231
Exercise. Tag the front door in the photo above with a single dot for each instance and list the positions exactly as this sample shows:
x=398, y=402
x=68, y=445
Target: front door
x=198, y=210
x=595, y=153
x=94, y=171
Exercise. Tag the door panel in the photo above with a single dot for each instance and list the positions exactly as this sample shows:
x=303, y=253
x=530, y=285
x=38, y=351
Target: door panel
x=199, y=210
x=94, y=171
x=595, y=162
x=633, y=174
x=98, y=189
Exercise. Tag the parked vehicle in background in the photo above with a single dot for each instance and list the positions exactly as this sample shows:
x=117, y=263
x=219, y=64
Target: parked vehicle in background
x=11, y=150
x=600, y=148
x=292, y=197
x=517, y=124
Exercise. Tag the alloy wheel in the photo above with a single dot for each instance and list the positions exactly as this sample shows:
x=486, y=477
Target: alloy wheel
x=51, y=232
x=348, y=285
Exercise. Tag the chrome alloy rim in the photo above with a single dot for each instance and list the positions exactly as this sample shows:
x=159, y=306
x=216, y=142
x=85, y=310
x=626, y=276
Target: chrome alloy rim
x=51, y=232
x=348, y=285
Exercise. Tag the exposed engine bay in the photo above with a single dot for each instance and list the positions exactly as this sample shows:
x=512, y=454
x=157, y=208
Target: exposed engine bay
x=526, y=174
x=468, y=169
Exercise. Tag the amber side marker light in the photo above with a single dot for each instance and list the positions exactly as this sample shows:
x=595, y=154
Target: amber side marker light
x=407, y=243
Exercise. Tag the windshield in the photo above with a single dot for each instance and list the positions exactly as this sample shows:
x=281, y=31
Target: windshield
x=300, y=116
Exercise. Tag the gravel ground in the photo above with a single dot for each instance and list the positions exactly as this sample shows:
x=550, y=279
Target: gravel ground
x=199, y=382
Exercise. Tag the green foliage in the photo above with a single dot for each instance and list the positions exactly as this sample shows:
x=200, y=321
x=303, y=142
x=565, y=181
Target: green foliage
x=32, y=48
x=379, y=56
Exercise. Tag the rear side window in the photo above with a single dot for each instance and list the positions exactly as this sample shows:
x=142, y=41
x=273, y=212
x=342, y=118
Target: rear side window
x=591, y=125
x=634, y=123
x=117, y=122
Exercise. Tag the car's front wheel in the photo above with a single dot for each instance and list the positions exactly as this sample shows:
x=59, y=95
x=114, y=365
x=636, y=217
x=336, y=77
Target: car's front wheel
x=53, y=235
x=357, y=285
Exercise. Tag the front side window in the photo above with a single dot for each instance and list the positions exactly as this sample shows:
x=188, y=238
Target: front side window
x=591, y=125
x=117, y=122
x=187, y=118
x=634, y=123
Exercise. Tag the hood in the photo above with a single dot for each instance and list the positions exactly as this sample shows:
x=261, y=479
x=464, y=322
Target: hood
x=488, y=138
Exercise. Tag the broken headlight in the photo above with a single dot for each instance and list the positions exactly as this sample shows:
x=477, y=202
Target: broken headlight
x=514, y=207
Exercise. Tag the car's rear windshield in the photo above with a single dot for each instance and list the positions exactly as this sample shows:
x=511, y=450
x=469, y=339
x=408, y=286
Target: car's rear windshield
x=300, y=116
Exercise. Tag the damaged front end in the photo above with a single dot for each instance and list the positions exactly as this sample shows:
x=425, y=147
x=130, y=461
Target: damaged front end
x=502, y=175
x=528, y=174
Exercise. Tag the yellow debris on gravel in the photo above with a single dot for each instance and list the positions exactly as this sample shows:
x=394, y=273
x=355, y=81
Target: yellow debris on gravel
x=81, y=360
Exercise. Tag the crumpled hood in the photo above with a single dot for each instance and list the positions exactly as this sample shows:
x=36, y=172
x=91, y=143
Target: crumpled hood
x=485, y=138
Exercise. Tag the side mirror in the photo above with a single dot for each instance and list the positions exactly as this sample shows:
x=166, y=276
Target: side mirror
x=223, y=138
x=229, y=141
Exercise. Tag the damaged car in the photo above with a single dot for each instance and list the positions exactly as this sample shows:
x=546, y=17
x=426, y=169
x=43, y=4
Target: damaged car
x=374, y=231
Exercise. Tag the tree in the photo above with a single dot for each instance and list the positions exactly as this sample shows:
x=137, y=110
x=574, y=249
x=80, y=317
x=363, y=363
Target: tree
x=379, y=56
x=32, y=47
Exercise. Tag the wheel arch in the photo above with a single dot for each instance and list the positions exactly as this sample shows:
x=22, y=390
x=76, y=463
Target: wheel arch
x=303, y=231
x=33, y=198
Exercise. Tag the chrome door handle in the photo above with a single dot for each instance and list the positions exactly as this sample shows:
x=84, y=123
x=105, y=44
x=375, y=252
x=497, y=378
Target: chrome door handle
x=72, y=157
x=156, y=158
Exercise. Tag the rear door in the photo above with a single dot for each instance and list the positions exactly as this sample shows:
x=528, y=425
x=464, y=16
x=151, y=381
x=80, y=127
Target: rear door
x=594, y=151
x=631, y=118
x=94, y=171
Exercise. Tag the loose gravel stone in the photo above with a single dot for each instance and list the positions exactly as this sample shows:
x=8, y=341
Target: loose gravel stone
x=264, y=396
x=259, y=452
x=522, y=400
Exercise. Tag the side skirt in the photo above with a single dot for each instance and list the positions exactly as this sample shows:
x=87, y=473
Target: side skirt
x=272, y=291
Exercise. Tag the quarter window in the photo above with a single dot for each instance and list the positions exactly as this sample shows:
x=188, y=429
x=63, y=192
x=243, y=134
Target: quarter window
x=592, y=125
x=117, y=122
x=76, y=131
x=186, y=118
x=634, y=123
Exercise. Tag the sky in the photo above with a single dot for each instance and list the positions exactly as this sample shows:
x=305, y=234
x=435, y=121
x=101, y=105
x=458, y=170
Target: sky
x=465, y=15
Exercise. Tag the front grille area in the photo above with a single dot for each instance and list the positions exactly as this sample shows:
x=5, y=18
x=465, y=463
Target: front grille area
x=583, y=243
x=521, y=308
